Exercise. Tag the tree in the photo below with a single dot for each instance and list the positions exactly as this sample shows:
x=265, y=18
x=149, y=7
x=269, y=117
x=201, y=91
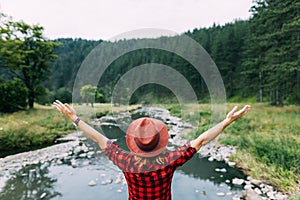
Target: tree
x=274, y=50
x=26, y=53
x=88, y=92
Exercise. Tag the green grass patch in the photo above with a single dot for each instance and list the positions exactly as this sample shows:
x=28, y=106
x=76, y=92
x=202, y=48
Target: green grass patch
x=268, y=141
x=30, y=128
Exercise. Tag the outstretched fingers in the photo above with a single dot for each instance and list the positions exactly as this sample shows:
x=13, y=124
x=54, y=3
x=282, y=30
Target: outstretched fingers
x=231, y=113
x=60, y=106
x=243, y=111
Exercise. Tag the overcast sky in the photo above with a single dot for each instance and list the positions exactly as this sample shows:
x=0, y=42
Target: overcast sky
x=105, y=19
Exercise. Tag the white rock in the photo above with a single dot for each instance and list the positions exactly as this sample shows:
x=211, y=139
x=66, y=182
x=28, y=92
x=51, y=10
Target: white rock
x=211, y=159
x=43, y=195
x=108, y=181
x=92, y=183
x=237, y=181
x=271, y=194
x=223, y=170
x=235, y=197
x=220, y=194
x=257, y=191
x=74, y=164
x=246, y=187
x=231, y=164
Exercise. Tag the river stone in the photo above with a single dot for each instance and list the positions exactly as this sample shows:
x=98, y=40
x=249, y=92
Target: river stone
x=92, y=183
x=235, y=197
x=211, y=159
x=231, y=164
x=251, y=195
x=220, y=194
x=258, y=191
x=74, y=163
x=237, y=181
x=108, y=181
x=223, y=170
x=247, y=187
x=43, y=195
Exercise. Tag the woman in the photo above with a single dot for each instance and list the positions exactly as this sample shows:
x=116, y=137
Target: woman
x=148, y=169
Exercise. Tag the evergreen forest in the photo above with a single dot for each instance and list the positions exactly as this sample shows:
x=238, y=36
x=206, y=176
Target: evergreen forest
x=258, y=60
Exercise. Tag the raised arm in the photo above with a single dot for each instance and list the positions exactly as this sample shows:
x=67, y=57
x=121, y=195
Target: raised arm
x=70, y=113
x=213, y=132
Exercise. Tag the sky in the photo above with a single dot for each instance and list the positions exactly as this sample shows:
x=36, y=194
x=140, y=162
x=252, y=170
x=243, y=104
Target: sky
x=108, y=19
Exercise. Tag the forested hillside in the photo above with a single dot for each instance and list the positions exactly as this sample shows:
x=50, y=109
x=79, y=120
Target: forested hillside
x=247, y=72
x=257, y=58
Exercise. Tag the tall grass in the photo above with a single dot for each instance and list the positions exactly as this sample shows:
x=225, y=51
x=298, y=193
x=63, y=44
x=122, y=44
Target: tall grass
x=272, y=136
x=30, y=128
x=43, y=125
x=268, y=141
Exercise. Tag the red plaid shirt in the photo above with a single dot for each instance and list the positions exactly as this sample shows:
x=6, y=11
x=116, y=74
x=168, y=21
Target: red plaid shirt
x=152, y=180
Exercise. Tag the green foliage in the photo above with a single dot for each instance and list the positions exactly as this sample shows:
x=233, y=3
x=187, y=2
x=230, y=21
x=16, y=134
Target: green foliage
x=63, y=94
x=88, y=93
x=100, y=114
x=295, y=197
x=71, y=53
x=271, y=136
x=282, y=152
x=257, y=58
x=27, y=129
x=272, y=51
x=174, y=109
x=13, y=96
x=26, y=53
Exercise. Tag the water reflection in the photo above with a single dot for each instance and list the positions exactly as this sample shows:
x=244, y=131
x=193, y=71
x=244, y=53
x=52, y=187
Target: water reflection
x=31, y=182
x=62, y=179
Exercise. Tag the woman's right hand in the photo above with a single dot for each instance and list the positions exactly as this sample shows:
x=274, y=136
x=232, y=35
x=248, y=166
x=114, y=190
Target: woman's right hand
x=66, y=110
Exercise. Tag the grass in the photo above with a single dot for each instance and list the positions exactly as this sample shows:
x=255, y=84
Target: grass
x=268, y=138
x=42, y=125
x=30, y=128
x=271, y=136
x=268, y=141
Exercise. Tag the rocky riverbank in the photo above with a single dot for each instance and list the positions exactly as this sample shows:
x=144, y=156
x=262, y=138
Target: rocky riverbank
x=253, y=189
x=75, y=148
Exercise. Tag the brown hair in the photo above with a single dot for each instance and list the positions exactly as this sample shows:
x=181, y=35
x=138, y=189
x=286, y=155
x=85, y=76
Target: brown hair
x=154, y=160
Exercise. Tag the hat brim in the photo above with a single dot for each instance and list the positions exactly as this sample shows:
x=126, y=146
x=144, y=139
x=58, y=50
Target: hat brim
x=162, y=144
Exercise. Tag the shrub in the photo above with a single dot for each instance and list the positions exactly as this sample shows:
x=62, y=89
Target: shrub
x=13, y=95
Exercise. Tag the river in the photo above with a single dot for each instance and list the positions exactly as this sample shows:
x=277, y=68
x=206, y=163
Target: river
x=79, y=170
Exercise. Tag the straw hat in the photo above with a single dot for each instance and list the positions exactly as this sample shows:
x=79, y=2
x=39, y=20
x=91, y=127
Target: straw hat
x=147, y=137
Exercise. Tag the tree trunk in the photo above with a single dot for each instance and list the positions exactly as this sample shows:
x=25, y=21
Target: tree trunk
x=298, y=86
x=31, y=98
x=260, y=95
x=260, y=89
x=271, y=97
x=279, y=97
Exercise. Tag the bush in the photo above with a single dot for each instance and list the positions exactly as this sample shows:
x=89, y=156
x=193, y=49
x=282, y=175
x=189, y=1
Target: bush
x=63, y=94
x=13, y=96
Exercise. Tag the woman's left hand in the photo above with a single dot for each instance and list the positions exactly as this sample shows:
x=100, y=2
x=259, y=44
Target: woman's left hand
x=234, y=115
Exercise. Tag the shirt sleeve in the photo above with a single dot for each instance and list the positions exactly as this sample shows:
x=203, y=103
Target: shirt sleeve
x=181, y=155
x=116, y=155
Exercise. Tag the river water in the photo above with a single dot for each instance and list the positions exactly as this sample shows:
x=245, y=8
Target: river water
x=79, y=170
